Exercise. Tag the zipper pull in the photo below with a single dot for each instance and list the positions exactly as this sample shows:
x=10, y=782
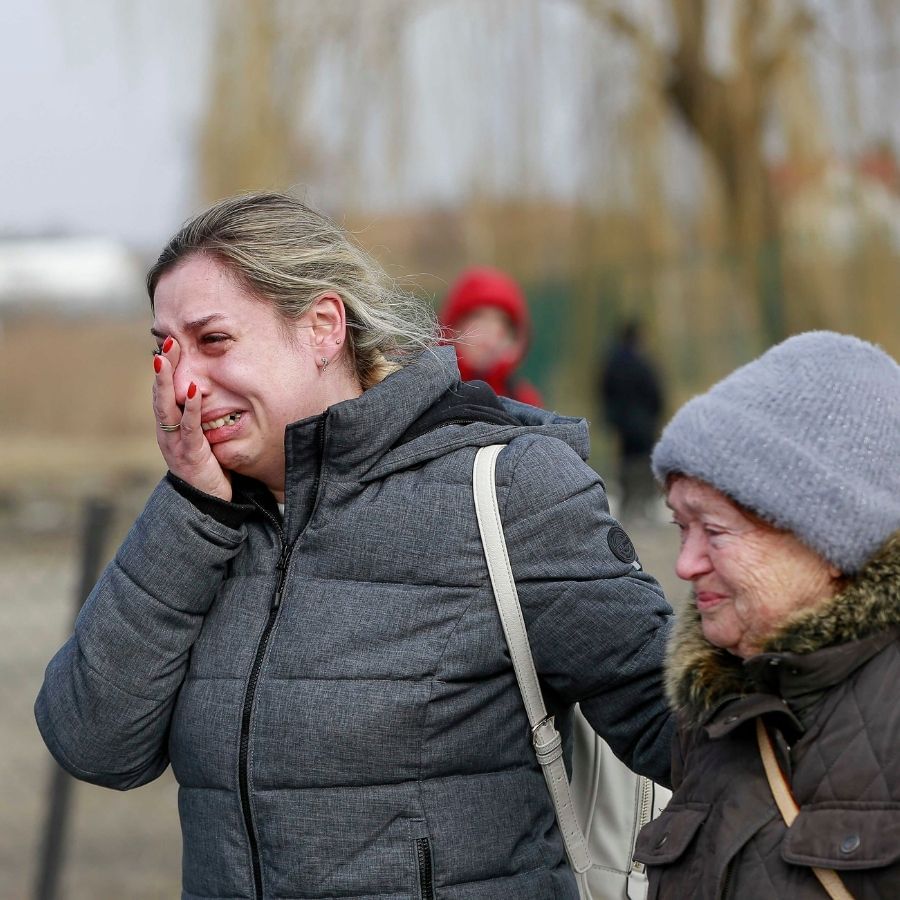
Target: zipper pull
x=281, y=569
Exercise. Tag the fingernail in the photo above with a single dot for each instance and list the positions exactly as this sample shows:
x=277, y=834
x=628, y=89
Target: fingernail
x=191, y=391
x=157, y=364
x=167, y=344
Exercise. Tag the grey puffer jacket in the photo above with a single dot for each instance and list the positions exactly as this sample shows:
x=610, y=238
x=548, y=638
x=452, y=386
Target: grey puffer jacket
x=826, y=687
x=333, y=690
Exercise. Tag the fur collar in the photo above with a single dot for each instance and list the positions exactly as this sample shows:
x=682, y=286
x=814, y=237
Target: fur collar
x=699, y=676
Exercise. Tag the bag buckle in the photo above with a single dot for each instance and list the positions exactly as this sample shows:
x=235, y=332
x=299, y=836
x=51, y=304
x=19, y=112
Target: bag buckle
x=547, y=720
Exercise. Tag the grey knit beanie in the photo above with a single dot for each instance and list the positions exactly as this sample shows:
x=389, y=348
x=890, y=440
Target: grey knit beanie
x=807, y=436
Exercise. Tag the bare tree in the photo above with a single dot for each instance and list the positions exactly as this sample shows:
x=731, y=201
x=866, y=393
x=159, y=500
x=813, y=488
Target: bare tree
x=727, y=107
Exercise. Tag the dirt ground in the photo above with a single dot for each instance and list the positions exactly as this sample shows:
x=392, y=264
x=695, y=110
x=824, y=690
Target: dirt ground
x=122, y=845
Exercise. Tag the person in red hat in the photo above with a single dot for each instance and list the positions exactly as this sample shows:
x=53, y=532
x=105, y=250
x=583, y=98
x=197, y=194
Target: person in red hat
x=486, y=317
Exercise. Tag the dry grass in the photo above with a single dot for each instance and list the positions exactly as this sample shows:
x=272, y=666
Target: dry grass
x=75, y=406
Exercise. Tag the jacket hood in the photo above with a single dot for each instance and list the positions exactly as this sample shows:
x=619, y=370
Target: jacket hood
x=368, y=437
x=700, y=676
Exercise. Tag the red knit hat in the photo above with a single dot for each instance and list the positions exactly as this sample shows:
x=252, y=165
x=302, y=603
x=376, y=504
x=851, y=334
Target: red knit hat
x=484, y=286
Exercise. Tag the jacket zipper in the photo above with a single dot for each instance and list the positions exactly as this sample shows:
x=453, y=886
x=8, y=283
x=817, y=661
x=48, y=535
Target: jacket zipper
x=426, y=879
x=246, y=715
x=281, y=568
x=726, y=886
x=644, y=813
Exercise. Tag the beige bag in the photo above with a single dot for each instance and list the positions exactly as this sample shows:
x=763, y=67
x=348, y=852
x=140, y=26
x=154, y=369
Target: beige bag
x=601, y=812
x=612, y=804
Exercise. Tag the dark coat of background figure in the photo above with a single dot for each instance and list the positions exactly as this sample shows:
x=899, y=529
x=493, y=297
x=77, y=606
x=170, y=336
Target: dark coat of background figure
x=632, y=400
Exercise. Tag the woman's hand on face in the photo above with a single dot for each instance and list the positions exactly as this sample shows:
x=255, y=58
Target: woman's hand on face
x=186, y=451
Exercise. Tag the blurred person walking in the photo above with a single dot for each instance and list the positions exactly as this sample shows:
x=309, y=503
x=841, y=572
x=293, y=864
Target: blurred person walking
x=486, y=316
x=301, y=621
x=632, y=399
x=784, y=481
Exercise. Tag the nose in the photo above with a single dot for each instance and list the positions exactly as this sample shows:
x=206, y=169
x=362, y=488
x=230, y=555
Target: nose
x=693, y=557
x=188, y=370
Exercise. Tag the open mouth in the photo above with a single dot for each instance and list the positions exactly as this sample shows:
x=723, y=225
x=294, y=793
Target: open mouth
x=230, y=419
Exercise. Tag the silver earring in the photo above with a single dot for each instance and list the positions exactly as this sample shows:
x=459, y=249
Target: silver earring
x=324, y=362
x=337, y=341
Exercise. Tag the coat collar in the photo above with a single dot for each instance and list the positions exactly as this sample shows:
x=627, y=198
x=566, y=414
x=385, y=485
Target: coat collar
x=361, y=430
x=361, y=439
x=814, y=649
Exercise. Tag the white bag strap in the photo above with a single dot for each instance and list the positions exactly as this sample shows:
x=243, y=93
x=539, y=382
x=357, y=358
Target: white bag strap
x=544, y=736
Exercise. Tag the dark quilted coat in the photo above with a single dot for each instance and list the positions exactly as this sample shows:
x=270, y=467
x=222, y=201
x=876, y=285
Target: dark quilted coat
x=332, y=688
x=826, y=686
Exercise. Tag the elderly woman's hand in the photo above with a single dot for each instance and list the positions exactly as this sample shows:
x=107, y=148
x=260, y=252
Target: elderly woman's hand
x=184, y=448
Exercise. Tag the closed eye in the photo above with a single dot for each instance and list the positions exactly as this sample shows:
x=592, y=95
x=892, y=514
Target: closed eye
x=682, y=530
x=214, y=338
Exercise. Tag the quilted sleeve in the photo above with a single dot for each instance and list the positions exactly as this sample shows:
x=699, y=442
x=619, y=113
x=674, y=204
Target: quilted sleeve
x=598, y=624
x=108, y=694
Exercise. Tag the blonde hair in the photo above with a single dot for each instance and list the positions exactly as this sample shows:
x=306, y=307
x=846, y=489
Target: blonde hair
x=286, y=253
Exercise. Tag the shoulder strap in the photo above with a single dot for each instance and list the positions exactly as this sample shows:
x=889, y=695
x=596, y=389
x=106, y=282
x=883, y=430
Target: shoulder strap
x=787, y=806
x=544, y=736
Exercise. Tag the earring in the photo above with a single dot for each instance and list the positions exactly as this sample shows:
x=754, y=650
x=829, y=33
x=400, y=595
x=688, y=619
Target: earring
x=324, y=361
x=337, y=341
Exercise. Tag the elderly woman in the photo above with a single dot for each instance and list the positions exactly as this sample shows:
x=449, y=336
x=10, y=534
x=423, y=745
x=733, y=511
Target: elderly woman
x=784, y=480
x=301, y=621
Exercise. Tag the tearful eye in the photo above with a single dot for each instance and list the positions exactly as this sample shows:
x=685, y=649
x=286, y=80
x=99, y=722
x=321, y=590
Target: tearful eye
x=216, y=338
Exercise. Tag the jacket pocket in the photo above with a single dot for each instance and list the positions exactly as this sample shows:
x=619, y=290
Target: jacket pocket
x=844, y=836
x=424, y=861
x=664, y=840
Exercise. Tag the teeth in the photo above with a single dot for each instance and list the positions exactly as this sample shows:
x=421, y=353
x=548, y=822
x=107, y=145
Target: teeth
x=218, y=423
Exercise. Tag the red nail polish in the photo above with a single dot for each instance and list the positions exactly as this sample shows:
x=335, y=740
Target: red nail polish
x=167, y=344
x=157, y=364
x=191, y=391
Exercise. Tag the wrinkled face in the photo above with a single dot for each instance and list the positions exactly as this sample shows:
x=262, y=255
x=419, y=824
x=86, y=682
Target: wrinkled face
x=748, y=577
x=254, y=379
x=486, y=336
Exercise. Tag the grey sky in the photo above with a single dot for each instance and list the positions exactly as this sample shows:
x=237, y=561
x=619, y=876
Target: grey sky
x=101, y=102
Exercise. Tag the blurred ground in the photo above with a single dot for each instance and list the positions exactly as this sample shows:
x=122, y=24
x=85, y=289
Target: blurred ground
x=122, y=844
